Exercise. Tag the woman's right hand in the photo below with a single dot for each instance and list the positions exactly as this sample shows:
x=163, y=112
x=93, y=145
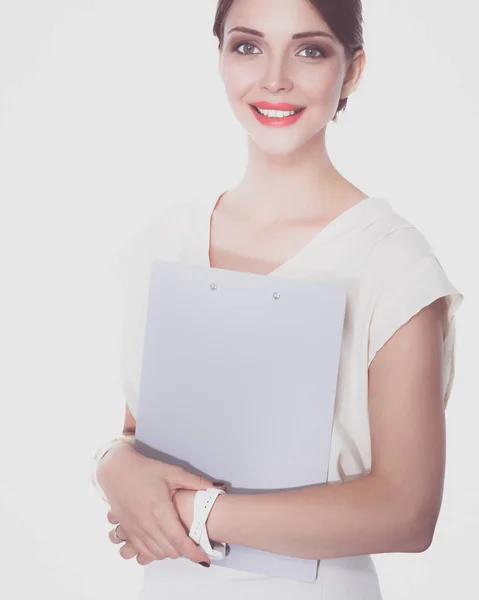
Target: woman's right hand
x=140, y=491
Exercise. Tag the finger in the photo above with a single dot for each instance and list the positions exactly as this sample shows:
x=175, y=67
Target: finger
x=166, y=550
x=136, y=546
x=156, y=551
x=157, y=543
x=180, y=540
x=143, y=560
x=120, y=533
x=112, y=518
x=128, y=551
x=147, y=546
x=181, y=478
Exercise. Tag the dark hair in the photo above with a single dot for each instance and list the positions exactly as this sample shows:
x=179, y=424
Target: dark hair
x=344, y=18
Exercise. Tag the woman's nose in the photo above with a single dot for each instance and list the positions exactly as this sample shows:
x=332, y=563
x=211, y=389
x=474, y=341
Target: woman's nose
x=276, y=78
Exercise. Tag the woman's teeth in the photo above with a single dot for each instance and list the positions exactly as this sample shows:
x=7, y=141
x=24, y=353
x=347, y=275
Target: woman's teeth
x=278, y=114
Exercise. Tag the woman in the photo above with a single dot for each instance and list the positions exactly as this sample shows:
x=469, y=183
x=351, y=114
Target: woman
x=288, y=68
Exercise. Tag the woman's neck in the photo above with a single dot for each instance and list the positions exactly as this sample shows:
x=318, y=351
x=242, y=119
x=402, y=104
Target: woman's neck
x=296, y=187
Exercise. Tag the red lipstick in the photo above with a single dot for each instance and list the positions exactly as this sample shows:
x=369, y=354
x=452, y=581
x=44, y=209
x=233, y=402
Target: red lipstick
x=277, y=121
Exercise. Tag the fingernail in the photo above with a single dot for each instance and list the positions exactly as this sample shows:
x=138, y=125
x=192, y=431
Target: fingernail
x=204, y=564
x=218, y=483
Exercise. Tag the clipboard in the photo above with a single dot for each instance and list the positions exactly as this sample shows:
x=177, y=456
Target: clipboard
x=238, y=383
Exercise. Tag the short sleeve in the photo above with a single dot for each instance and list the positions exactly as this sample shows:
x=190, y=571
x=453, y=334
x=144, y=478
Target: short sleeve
x=131, y=269
x=414, y=280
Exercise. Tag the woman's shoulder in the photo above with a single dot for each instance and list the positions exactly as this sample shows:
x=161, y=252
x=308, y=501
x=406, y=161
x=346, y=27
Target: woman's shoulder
x=157, y=237
x=396, y=240
x=397, y=256
x=170, y=218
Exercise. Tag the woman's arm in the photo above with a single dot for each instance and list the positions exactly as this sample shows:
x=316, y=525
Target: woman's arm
x=392, y=509
x=129, y=426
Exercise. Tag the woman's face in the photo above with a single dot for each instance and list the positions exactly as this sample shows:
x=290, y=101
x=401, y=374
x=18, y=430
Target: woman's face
x=269, y=66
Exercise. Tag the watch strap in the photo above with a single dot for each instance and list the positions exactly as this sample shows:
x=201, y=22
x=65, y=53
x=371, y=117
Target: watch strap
x=203, y=503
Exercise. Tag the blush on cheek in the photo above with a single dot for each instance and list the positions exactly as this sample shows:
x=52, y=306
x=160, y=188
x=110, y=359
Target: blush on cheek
x=325, y=93
x=240, y=76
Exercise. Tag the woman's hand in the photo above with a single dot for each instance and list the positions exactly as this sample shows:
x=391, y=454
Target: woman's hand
x=141, y=492
x=183, y=501
x=127, y=551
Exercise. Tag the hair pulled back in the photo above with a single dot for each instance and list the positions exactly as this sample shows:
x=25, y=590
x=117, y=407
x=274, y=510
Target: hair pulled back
x=343, y=17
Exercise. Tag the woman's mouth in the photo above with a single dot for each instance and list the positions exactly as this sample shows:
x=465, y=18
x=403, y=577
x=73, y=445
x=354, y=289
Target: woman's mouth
x=276, y=118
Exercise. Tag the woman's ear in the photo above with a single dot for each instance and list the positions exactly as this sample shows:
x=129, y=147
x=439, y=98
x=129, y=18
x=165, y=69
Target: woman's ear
x=220, y=56
x=354, y=73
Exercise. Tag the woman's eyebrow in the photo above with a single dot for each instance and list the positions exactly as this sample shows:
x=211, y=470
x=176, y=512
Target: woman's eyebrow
x=296, y=36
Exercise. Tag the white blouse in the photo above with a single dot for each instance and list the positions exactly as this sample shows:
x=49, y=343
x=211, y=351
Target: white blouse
x=390, y=273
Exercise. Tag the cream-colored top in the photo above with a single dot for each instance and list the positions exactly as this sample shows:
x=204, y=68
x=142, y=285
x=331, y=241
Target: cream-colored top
x=390, y=273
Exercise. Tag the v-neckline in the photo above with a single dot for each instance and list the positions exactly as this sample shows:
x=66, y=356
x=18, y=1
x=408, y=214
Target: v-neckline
x=321, y=235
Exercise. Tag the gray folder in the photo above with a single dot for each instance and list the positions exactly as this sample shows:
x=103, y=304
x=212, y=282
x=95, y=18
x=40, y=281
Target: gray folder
x=238, y=383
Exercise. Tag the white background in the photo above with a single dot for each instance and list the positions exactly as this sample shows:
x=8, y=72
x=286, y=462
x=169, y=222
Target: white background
x=108, y=111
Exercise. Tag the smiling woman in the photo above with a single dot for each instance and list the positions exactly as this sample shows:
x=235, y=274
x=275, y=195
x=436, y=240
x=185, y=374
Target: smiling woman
x=343, y=32
x=288, y=68
x=312, y=52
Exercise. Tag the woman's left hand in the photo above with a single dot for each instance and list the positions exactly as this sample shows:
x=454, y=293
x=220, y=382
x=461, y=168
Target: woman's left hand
x=184, y=502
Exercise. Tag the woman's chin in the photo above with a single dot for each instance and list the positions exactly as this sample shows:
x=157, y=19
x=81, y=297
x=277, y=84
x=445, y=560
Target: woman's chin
x=277, y=147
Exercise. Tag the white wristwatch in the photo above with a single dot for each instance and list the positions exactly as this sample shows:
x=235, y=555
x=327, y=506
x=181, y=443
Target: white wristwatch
x=204, y=500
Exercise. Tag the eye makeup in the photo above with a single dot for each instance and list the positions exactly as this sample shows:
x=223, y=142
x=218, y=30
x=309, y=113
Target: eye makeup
x=235, y=48
x=322, y=52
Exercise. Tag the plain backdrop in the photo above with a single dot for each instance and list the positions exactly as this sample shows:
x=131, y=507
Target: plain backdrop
x=110, y=110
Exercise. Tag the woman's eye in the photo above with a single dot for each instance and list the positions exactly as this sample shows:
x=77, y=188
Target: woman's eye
x=247, y=45
x=310, y=50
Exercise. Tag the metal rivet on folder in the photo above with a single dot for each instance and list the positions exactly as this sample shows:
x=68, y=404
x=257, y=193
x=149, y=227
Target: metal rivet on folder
x=276, y=295
x=214, y=286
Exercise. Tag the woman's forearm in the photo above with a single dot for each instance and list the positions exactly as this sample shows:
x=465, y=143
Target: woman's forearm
x=353, y=518
x=108, y=462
